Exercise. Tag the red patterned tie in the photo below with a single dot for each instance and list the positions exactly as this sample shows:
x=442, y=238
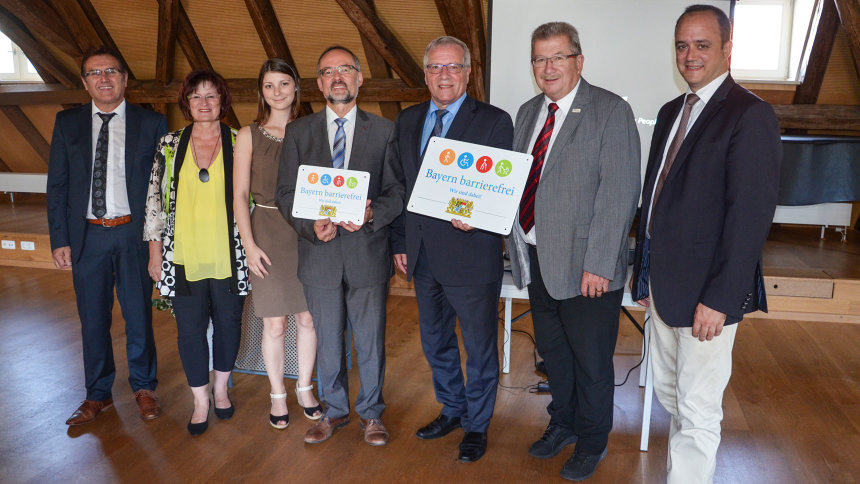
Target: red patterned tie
x=527, y=204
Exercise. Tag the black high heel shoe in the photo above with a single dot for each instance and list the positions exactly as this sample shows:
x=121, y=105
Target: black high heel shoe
x=196, y=429
x=275, y=419
x=223, y=413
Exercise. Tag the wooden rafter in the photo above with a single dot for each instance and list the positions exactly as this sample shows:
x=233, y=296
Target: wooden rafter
x=165, y=51
x=379, y=69
x=272, y=37
x=464, y=20
x=243, y=90
x=819, y=54
x=849, y=14
x=818, y=116
x=43, y=21
x=79, y=27
x=370, y=25
x=42, y=59
x=195, y=53
x=4, y=167
x=29, y=132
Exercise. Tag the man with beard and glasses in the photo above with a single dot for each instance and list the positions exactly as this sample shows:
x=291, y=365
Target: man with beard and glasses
x=345, y=267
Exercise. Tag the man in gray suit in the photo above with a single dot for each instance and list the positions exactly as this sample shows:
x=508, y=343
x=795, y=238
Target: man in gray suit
x=345, y=267
x=570, y=245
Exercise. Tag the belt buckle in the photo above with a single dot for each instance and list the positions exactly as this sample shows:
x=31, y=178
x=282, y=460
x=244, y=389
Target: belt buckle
x=104, y=222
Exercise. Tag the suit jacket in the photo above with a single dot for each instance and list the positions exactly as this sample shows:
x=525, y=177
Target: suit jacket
x=364, y=256
x=587, y=195
x=715, y=210
x=71, y=164
x=458, y=258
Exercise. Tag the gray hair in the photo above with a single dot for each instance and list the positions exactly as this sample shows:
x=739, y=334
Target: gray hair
x=448, y=40
x=553, y=29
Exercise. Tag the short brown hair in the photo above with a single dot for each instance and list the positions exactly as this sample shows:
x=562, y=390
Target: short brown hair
x=104, y=50
x=194, y=79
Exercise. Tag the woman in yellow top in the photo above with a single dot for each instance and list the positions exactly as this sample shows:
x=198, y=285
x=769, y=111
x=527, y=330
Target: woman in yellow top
x=271, y=243
x=195, y=253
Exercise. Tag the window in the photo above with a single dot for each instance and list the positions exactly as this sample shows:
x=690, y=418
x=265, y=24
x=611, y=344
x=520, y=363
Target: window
x=769, y=38
x=14, y=65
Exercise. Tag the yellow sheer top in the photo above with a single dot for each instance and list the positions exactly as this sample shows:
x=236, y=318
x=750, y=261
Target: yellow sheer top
x=201, y=242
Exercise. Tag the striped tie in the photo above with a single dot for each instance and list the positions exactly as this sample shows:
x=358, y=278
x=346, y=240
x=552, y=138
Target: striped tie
x=527, y=204
x=339, y=148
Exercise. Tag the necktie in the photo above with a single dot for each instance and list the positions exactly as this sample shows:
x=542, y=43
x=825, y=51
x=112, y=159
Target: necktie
x=527, y=204
x=676, y=144
x=100, y=167
x=339, y=148
x=437, y=128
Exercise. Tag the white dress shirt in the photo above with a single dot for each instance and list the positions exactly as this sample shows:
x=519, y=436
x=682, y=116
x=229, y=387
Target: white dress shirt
x=564, y=105
x=705, y=94
x=116, y=192
x=348, y=130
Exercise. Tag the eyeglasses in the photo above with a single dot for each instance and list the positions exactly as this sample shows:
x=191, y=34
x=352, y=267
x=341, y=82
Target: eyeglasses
x=554, y=60
x=210, y=98
x=451, y=68
x=110, y=72
x=344, y=70
x=203, y=175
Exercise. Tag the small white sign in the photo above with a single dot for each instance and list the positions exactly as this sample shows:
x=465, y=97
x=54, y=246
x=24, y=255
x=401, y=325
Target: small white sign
x=323, y=192
x=478, y=185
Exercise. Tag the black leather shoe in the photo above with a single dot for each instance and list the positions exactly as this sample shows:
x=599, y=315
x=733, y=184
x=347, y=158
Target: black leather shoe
x=473, y=446
x=554, y=438
x=223, y=413
x=442, y=426
x=581, y=466
x=196, y=429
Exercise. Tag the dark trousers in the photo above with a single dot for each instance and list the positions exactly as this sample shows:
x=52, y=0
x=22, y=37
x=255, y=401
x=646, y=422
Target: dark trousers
x=576, y=338
x=114, y=257
x=365, y=307
x=476, y=307
x=209, y=298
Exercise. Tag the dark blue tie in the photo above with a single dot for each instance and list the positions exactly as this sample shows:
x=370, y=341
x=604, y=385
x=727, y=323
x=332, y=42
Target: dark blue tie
x=100, y=167
x=437, y=128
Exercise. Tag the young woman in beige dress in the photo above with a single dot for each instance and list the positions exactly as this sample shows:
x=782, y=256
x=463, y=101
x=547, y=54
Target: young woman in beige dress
x=271, y=244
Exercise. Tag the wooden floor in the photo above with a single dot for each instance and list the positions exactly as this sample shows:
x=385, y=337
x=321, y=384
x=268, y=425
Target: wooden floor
x=792, y=410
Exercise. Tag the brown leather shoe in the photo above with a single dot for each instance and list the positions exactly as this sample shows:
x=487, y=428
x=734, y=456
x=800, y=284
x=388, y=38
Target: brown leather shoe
x=374, y=432
x=147, y=404
x=322, y=430
x=88, y=410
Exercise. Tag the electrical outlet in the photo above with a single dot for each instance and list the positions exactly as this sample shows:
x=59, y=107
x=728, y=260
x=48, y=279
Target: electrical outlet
x=28, y=245
x=9, y=244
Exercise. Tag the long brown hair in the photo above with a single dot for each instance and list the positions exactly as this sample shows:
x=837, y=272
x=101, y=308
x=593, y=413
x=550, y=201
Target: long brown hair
x=276, y=65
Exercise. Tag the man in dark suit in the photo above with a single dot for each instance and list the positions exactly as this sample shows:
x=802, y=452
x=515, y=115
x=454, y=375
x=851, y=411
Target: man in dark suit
x=457, y=270
x=570, y=245
x=345, y=267
x=710, y=193
x=101, y=158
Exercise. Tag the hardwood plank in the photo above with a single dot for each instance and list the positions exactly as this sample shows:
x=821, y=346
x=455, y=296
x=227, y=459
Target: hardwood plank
x=818, y=116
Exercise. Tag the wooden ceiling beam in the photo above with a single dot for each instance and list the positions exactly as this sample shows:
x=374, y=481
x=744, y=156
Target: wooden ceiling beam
x=28, y=131
x=165, y=50
x=464, y=20
x=42, y=59
x=243, y=90
x=849, y=14
x=4, y=167
x=272, y=37
x=79, y=27
x=370, y=25
x=195, y=53
x=818, y=116
x=43, y=21
x=826, y=27
x=379, y=69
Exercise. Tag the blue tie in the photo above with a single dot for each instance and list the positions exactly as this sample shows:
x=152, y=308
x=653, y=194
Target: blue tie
x=339, y=148
x=437, y=128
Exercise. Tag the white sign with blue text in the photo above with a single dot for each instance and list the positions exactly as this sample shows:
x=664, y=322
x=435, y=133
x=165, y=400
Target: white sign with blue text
x=475, y=184
x=323, y=192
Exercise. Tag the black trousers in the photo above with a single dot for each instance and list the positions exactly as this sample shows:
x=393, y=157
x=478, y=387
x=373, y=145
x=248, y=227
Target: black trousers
x=576, y=338
x=114, y=257
x=209, y=298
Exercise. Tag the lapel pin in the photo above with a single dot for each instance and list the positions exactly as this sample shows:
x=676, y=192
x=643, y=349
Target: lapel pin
x=575, y=110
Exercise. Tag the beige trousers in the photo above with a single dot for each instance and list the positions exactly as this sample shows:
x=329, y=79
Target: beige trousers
x=689, y=379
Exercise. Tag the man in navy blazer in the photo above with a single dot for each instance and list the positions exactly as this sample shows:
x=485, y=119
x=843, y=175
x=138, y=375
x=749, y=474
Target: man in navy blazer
x=95, y=216
x=708, y=201
x=457, y=270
